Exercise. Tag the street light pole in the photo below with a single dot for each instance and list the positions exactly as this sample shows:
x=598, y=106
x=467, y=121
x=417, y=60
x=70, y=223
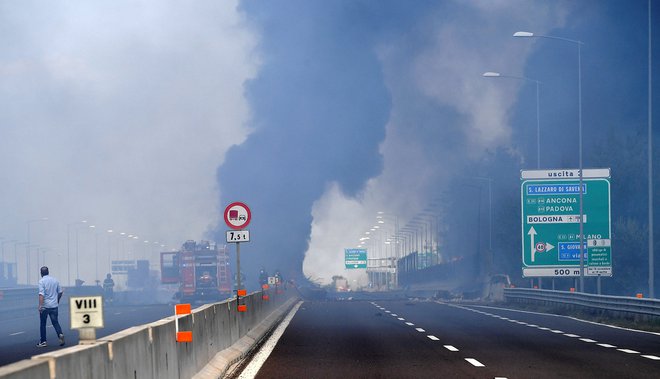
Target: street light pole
x=27, y=248
x=581, y=189
x=650, y=168
x=68, y=246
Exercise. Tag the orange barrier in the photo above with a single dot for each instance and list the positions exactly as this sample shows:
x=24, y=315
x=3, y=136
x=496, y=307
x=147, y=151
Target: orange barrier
x=182, y=309
x=241, y=307
x=639, y=296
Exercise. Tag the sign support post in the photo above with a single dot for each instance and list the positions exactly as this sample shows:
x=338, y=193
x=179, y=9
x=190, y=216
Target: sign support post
x=238, y=265
x=237, y=217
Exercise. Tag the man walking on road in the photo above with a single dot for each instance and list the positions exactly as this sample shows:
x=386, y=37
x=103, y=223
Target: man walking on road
x=50, y=294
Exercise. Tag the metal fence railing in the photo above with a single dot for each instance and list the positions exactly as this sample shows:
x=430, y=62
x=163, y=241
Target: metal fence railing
x=631, y=305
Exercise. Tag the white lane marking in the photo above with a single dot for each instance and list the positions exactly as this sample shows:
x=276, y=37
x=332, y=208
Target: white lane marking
x=628, y=351
x=255, y=364
x=401, y=319
x=410, y=324
x=554, y=315
x=117, y=313
x=17, y=333
x=394, y=315
x=587, y=340
x=450, y=348
x=475, y=362
x=388, y=312
x=434, y=338
x=420, y=330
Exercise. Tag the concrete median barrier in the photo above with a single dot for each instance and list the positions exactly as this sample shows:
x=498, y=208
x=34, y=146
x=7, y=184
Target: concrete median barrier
x=221, y=336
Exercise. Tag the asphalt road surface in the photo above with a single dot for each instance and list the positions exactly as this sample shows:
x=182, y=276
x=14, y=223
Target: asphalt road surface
x=19, y=334
x=403, y=339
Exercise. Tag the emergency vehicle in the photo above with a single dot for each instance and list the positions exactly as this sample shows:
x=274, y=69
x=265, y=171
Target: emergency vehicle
x=201, y=269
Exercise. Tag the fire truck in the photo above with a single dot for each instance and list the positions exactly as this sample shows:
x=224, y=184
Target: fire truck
x=201, y=270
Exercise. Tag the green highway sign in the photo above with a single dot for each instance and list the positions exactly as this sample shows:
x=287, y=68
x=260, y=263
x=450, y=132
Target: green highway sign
x=550, y=204
x=355, y=258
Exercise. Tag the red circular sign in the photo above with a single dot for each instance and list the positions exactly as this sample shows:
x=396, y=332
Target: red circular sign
x=237, y=215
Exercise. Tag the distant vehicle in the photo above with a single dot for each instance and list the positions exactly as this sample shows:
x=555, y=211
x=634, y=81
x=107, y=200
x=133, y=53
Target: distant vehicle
x=201, y=270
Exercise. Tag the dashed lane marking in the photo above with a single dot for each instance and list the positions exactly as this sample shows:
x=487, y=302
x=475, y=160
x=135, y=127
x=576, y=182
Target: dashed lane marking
x=556, y=331
x=410, y=324
x=401, y=319
x=450, y=348
x=434, y=338
x=420, y=330
x=17, y=333
x=475, y=362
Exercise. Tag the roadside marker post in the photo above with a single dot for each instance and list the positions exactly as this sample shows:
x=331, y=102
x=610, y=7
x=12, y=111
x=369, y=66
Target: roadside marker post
x=182, y=309
x=239, y=294
x=86, y=315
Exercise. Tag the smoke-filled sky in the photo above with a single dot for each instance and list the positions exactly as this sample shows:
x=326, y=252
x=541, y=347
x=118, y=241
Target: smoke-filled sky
x=148, y=117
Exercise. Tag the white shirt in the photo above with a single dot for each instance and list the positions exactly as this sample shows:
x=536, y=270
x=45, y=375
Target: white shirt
x=49, y=288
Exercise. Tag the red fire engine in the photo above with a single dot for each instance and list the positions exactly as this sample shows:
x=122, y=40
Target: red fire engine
x=201, y=270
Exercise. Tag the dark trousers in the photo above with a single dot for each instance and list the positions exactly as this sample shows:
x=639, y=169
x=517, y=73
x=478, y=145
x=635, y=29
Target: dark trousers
x=52, y=312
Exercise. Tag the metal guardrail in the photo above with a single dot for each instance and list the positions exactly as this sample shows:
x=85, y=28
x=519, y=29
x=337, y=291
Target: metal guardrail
x=602, y=302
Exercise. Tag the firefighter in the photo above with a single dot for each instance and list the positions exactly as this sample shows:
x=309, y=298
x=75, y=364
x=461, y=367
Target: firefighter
x=108, y=288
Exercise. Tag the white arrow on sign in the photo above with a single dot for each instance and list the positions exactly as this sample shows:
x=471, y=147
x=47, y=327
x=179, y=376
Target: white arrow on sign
x=532, y=233
x=549, y=246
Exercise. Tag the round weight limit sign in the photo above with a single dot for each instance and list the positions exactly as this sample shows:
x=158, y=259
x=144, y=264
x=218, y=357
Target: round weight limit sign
x=237, y=215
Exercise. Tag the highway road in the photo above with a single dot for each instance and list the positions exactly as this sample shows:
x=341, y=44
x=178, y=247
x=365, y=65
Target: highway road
x=19, y=333
x=427, y=339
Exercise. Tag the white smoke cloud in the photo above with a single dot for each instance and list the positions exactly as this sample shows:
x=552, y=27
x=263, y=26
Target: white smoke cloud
x=117, y=112
x=441, y=62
